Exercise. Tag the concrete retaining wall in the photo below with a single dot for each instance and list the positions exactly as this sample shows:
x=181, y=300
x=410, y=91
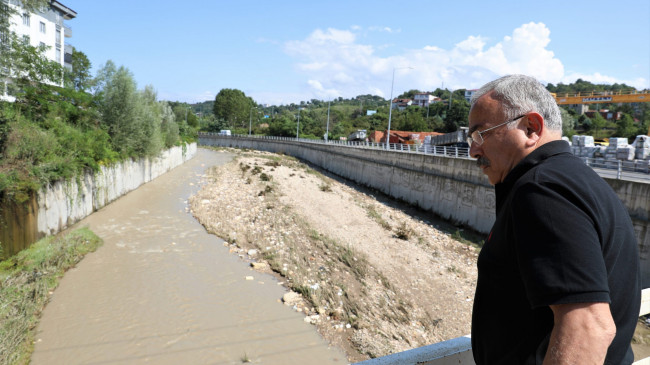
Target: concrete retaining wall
x=67, y=202
x=452, y=188
x=63, y=203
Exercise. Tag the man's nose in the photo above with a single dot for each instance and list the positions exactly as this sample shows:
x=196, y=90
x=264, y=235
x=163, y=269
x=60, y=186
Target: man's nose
x=475, y=150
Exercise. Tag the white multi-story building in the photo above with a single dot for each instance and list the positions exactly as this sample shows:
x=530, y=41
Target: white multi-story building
x=469, y=94
x=43, y=28
x=425, y=99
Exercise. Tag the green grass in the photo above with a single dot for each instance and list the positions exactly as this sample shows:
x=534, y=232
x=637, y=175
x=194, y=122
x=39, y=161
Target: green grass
x=372, y=213
x=25, y=282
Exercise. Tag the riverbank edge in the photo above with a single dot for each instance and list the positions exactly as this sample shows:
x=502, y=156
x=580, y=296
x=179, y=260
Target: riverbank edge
x=27, y=280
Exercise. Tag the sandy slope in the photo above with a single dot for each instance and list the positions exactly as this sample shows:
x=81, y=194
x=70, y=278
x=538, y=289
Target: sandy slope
x=367, y=290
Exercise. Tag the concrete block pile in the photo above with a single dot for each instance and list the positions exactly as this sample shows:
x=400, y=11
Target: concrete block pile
x=642, y=147
x=618, y=149
x=583, y=146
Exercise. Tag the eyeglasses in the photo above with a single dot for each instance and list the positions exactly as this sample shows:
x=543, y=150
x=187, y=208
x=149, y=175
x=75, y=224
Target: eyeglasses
x=477, y=136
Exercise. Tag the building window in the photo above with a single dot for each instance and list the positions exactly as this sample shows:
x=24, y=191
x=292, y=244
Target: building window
x=42, y=27
x=58, y=36
x=26, y=19
x=58, y=55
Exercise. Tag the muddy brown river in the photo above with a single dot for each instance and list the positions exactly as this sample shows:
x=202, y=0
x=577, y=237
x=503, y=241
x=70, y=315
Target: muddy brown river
x=161, y=290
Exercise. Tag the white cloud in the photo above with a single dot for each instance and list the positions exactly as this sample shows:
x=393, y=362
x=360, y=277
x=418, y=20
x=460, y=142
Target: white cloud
x=383, y=29
x=333, y=60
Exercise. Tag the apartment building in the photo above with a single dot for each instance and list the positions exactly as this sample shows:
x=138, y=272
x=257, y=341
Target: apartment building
x=469, y=94
x=43, y=28
x=425, y=99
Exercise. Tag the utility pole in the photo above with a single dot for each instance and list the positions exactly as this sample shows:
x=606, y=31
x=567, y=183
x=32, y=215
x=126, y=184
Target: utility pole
x=327, y=133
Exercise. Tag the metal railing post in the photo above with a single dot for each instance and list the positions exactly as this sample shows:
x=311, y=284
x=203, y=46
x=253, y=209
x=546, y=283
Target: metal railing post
x=620, y=169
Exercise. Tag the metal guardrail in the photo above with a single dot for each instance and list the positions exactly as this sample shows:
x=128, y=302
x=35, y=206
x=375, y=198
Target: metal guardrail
x=610, y=168
x=458, y=152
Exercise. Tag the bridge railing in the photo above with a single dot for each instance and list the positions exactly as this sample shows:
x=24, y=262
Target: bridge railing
x=611, y=168
x=459, y=350
x=458, y=152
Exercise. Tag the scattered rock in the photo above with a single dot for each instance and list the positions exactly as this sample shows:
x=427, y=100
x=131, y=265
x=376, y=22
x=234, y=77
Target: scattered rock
x=259, y=265
x=291, y=298
x=249, y=278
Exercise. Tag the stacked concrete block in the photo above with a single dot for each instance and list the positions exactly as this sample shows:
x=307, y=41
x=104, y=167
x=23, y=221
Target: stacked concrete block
x=642, y=153
x=610, y=153
x=599, y=151
x=642, y=145
x=582, y=141
x=618, y=142
x=625, y=153
x=585, y=151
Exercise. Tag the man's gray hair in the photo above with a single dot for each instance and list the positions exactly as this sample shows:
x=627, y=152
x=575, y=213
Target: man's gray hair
x=521, y=94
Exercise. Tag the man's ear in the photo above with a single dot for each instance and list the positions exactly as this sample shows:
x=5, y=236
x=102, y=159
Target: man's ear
x=534, y=127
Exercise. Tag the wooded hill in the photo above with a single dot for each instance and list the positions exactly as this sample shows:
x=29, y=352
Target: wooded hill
x=349, y=115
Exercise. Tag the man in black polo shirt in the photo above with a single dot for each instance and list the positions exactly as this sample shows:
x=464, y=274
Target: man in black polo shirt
x=558, y=276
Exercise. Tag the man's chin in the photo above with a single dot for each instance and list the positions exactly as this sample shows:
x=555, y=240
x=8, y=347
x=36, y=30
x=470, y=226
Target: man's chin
x=491, y=178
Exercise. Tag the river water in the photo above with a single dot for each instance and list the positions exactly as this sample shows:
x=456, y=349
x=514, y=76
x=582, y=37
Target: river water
x=161, y=290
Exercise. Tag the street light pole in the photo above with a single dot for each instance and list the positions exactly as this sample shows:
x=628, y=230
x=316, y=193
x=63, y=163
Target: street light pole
x=250, y=122
x=298, y=127
x=327, y=132
x=390, y=105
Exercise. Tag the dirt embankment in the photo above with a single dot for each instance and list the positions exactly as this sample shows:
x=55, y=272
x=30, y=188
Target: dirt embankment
x=373, y=279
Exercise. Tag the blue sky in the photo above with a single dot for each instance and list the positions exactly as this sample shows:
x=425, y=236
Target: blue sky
x=281, y=52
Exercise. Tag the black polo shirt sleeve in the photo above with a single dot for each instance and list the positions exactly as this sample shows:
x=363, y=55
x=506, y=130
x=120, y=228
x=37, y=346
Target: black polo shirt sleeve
x=557, y=246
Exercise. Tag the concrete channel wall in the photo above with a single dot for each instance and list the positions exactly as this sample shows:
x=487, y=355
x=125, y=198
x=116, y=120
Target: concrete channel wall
x=63, y=203
x=67, y=202
x=452, y=188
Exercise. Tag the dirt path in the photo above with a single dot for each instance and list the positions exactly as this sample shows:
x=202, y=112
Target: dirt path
x=373, y=279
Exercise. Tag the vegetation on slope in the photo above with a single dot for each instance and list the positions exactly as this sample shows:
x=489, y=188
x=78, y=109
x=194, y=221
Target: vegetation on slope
x=26, y=281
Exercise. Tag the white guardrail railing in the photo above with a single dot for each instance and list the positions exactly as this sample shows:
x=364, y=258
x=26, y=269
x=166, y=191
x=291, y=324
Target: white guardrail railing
x=458, y=351
x=610, y=168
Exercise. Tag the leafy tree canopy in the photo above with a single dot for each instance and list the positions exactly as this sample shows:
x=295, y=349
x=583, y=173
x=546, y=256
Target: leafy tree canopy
x=79, y=78
x=233, y=106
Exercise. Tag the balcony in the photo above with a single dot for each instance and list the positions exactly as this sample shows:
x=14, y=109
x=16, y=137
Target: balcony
x=67, y=31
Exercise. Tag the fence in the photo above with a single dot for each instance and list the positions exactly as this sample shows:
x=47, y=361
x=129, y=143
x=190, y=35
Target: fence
x=610, y=168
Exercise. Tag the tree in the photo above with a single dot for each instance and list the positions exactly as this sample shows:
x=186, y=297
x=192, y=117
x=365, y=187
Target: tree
x=233, y=106
x=168, y=126
x=283, y=126
x=79, y=77
x=598, y=122
x=625, y=127
x=119, y=108
x=584, y=122
x=457, y=115
x=568, y=123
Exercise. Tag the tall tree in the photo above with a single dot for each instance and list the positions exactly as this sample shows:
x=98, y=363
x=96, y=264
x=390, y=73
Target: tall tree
x=79, y=77
x=625, y=127
x=233, y=106
x=568, y=123
x=119, y=108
